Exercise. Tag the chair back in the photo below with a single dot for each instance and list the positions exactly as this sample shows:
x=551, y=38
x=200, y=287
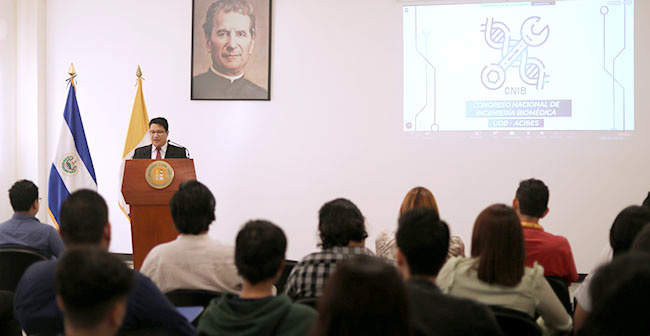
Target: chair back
x=562, y=291
x=282, y=282
x=515, y=323
x=191, y=297
x=14, y=260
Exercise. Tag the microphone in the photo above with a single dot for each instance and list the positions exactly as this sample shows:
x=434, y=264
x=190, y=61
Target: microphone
x=187, y=152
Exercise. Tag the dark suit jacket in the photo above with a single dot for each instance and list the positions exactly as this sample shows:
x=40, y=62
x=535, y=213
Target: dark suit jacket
x=173, y=152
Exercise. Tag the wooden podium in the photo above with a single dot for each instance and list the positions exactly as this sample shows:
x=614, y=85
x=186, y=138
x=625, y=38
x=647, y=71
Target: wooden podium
x=151, y=220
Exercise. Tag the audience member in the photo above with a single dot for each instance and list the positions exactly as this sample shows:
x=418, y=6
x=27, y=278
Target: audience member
x=624, y=230
x=342, y=234
x=364, y=296
x=642, y=241
x=84, y=221
x=418, y=197
x=496, y=273
x=92, y=288
x=551, y=251
x=620, y=295
x=192, y=260
x=259, y=255
x=422, y=243
x=24, y=228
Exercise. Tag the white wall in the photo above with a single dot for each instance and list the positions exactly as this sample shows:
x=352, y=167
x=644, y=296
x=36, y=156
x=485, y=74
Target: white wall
x=332, y=127
x=7, y=93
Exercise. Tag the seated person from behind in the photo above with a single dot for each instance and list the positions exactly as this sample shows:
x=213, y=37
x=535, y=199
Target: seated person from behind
x=84, y=222
x=259, y=256
x=160, y=148
x=364, y=296
x=627, y=225
x=495, y=275
x=193, y=260
x=24, y=228
x=422, y=245
x=92, y=287
x=418, y=197
x=550, y=251
x=342, y=234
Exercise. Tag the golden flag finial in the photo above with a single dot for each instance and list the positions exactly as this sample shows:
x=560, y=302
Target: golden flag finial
x=71, y=71
x=138, y=72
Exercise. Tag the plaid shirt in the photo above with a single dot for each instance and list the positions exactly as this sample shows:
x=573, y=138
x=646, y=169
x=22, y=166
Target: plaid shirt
x=308, y=276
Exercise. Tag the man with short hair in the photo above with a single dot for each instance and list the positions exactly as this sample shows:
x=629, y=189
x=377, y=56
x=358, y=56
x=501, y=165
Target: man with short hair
x=160, y=148
x=550, y=251
x=92, y=287
x=422, y=243
x=24, y=228
x=260, y=249
x=193, y=260
x=84, y=222
x=342, y=234
x=230, y=33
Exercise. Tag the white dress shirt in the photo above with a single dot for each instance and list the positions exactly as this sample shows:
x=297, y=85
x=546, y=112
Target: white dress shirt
x=193, y=262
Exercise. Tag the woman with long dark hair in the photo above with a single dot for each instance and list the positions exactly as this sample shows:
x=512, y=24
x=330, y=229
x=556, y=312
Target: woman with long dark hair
x=495, y=274
x=364, y=296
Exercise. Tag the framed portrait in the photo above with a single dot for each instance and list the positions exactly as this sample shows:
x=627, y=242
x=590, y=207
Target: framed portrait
x=231, y=50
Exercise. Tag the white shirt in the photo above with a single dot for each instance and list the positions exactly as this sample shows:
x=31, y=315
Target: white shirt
x=163, y=150
x=193, y=262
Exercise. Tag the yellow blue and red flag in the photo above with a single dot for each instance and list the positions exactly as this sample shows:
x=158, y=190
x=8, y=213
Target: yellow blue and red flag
x=72, y=167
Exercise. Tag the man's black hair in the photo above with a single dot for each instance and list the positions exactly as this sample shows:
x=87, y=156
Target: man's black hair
x=83, y=217
x=90, y=281
x=620, y=294
x=424, y=240
x=626, y=226
x=260, y=249
x=646, y=201
x=160, y=121
x=533, y=197
x=22, y=195
x=339, y=223
x=192, y=207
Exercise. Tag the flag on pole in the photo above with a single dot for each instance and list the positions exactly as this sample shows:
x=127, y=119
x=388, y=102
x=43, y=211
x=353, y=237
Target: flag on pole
x=72, y=167
x=136, y=136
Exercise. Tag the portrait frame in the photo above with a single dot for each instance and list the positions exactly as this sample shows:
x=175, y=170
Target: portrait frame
x=232, y=63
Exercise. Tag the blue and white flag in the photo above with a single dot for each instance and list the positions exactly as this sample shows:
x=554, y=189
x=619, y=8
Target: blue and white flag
x=72, y=167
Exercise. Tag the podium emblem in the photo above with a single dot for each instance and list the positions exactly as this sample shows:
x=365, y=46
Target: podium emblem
x=159, y=174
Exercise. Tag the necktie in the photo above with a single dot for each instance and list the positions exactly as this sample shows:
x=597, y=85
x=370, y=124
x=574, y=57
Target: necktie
x=158, y=156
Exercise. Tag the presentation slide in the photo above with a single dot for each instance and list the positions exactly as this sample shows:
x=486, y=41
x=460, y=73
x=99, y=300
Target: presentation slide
x=529, y=66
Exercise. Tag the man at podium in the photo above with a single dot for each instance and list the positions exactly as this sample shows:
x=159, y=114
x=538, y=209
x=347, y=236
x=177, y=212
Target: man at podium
x=160, y=147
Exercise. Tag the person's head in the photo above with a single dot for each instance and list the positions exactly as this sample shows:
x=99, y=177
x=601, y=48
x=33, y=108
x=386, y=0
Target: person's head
x=23, y=196
x=620, y=295
x=158, y=131
x=260, y=249
x=364, y=296
x=340, y=222
x=418, y=197
x=422, y=242
x=646, y=201
x=498, y=243
x=642, y=241
x=230, y=35
x=192, y=208
x=92, y=287
x=626, y=226
x=531, y=198
x=84, y=219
